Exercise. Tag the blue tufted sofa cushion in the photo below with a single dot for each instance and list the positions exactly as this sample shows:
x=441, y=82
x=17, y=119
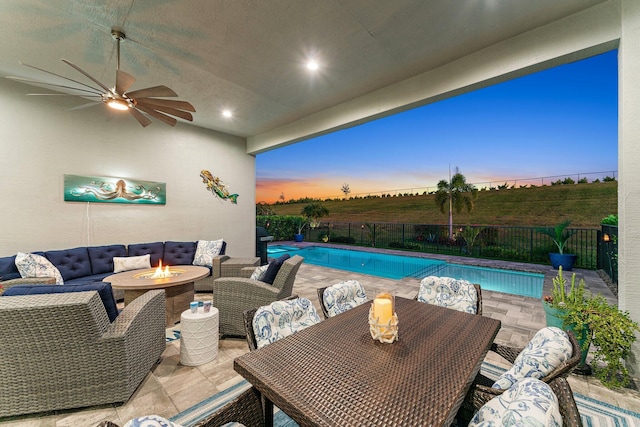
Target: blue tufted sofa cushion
x=178, y=253
x=102, y=257
x=72, y=263
x=155, y=249
x=103, y=288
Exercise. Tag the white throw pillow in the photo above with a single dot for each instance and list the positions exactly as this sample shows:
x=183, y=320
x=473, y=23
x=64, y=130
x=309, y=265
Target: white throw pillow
x=206, y=250
x=126, y=263
x=259, y=272
x=32, y=265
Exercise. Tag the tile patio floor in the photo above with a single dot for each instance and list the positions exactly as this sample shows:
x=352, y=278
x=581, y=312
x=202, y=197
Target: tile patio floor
x=172, y=388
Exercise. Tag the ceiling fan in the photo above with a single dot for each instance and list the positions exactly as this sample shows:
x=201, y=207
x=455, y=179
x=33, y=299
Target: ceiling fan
x=139, y=103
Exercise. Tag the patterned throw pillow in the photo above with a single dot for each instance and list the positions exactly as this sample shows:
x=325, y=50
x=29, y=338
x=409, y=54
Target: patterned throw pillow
x=151, y=421
x=529, y=402
x=547, y=350
x=127, y=263
x=259, y=272
x=283, y=318
x=448, y=292
x=32, y=265
x=343, y=296
x=206, y=250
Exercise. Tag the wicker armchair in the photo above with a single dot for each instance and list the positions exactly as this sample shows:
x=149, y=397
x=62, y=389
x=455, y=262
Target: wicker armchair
x=233, y=295
x=478, y=301
x=481, y=389
x=562, y=390
x=59, y=351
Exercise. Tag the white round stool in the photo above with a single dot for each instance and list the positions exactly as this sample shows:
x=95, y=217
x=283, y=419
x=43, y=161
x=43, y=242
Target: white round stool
x=198, y=336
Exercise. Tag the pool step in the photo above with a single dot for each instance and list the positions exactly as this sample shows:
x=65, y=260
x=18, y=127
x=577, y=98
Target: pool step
x=431, y=270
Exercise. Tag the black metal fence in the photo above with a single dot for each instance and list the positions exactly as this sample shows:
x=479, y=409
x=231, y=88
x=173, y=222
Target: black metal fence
x=608, y=251
x=524, y=244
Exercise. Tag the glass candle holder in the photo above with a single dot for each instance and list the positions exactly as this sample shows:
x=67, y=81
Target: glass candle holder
x=383, y=321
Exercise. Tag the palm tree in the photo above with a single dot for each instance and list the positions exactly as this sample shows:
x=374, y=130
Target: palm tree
x=457, y=194
x=312, y=212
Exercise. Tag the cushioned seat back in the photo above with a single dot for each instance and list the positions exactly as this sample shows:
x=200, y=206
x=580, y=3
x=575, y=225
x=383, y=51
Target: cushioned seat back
x=548, y=349
x=102, y=257
x=343, y=296
x=448, y=292
x=8, y=269
x=178, y=253
x=529, y=402
x=282, y=318
x=155, y=249
x=72, y=263
x=103, y=288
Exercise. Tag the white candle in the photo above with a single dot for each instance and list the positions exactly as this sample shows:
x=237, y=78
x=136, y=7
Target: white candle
x=382, y=310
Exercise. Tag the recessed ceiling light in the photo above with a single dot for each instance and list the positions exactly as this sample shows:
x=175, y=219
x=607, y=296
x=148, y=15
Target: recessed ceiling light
x=312, y=65
x=227, y=113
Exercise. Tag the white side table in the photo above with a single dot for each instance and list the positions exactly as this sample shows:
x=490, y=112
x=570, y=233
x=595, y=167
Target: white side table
x=198, y=336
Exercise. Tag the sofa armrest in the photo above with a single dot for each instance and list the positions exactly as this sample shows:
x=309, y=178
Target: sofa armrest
x=216, y=265
x=6, y=284
x=246, y=272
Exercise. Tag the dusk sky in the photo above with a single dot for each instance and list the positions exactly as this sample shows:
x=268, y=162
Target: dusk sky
x=556, y=123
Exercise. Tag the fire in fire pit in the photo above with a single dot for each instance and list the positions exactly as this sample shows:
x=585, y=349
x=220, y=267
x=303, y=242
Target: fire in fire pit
x=161, y=273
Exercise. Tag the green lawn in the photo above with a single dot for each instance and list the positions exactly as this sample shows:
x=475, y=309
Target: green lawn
x=584, y=204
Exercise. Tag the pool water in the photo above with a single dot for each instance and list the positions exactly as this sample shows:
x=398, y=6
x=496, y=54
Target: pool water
x=398, y=267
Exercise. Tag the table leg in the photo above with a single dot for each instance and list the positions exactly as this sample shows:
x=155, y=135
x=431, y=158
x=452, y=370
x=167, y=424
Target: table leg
x=268, y=412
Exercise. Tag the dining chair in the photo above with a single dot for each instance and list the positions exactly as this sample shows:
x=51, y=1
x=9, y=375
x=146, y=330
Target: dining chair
x=246, y=409
x=343, y=296
x=267, y=324
x=531, y=361
x=529, y=399
x=452, y=293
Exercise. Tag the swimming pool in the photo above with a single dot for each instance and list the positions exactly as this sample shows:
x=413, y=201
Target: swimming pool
x=397, y=267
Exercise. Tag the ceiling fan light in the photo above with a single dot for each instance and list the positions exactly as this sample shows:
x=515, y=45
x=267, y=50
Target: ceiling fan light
x=119, y=104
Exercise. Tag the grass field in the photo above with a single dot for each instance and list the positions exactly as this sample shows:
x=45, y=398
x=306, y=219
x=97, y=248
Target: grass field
x=584, y=204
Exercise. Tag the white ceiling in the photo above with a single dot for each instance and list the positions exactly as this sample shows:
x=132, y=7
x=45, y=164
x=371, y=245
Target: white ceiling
x=249, y=56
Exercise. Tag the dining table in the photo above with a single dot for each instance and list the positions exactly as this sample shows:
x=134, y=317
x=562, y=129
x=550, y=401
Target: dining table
x=335, y=374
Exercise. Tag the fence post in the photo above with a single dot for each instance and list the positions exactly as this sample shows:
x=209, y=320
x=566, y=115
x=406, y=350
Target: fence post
x=403, y=235
x=531, y=245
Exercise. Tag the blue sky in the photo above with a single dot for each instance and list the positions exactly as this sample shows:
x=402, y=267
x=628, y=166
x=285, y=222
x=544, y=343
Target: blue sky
x=555, y=123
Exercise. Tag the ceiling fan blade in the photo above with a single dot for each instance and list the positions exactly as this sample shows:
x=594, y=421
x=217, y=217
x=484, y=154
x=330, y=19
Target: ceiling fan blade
x=89, y=76
x=168, y=110
x=80, y=107
x=158, y=115
x=169, y=103
x=141, y=118
x=156, y=91
x=54, y=74
x=123, y=81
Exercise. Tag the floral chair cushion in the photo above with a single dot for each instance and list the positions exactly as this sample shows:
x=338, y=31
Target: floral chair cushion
x=282, y=318
x=151, y=421
x=547, y=350
x=449, y=292
x=529, y=402
x=259, y=272
x=33, y=265
x=343, y=296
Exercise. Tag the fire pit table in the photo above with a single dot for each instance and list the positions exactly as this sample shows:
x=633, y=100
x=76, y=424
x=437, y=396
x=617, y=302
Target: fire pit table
x=178, y=286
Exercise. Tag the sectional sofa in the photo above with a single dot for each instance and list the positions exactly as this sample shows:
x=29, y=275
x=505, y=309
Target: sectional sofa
x=88, y=264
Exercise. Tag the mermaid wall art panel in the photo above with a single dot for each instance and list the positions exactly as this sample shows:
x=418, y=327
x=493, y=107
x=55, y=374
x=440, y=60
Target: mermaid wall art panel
x=79, y=188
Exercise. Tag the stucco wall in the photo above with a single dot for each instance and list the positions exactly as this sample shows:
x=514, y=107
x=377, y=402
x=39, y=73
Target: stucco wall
x=42, y=140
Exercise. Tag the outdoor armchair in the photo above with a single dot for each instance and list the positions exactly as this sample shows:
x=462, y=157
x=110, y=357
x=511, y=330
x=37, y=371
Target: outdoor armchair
x=482, y=387
x=233, y=295
x=60, y=351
